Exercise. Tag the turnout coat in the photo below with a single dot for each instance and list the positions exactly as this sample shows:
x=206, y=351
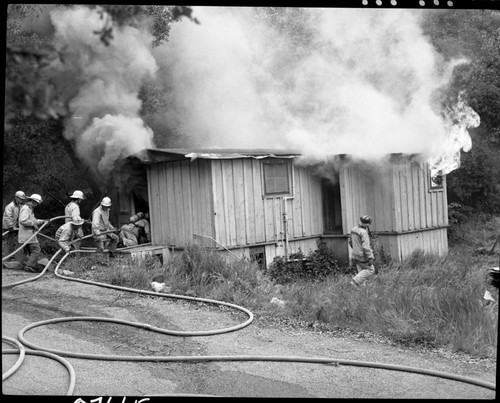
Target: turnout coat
x=27, y=224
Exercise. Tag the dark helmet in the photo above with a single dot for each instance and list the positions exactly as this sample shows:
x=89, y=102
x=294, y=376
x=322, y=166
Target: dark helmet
x=365, y=219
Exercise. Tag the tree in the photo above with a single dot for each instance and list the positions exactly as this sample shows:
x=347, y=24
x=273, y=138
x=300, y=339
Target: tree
x=474, y=34
x=36, y=154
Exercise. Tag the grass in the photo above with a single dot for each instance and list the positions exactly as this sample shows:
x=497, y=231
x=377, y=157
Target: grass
x=426, y=300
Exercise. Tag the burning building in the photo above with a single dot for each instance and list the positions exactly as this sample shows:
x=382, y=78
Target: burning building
x=267, y=203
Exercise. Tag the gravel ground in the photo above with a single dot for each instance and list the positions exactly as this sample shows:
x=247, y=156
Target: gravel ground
x=51, y=297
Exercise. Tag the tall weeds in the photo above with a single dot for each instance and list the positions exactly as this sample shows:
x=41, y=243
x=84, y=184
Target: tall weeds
x=427, y=300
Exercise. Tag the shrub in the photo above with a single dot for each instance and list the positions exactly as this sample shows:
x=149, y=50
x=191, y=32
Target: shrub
x=316, y=266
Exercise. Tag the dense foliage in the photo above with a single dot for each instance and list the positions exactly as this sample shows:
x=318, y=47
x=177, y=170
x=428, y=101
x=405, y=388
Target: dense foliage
x=316, y=266
x=475, y=35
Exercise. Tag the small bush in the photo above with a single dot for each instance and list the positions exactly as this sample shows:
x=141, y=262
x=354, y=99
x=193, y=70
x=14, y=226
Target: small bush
x=316, y=266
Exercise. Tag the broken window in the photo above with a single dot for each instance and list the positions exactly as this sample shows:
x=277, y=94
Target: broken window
x=277, y=176
x=436, y=181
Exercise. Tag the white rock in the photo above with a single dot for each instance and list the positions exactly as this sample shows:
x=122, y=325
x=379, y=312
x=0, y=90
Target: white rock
x=158, y=287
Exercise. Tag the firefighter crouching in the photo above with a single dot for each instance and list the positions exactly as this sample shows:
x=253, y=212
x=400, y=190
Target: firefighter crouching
x=100, y=223
x=69, y=232
x=129, y=233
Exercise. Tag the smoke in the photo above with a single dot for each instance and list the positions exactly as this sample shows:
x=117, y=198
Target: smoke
x=333, y=81
x=358, y=82
x=103, y=84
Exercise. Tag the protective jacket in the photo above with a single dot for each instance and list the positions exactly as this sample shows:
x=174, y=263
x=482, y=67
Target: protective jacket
x=359, y=240
x=100, y=221
x=10, y=216
x=27, y=223
x=73, y=210
x=129, y=234
x=66, y=234
x=143, y=224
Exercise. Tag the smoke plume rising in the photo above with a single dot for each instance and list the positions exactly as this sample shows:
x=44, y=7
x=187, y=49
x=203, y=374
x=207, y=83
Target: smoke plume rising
x=104, y=117
x=361, y=82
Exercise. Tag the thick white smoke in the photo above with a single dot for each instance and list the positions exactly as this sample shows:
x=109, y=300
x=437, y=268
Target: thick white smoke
x=362, y=84
x=104, y=120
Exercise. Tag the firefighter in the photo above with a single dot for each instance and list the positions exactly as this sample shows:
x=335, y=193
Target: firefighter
x=11, y=222
x=28, y=225
x=129, y=233
x=143, y=224
x=362, y=252
x=73, y=207
x=69, y=232
x=100, y=223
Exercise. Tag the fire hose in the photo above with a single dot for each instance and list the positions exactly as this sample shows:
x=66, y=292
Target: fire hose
x=58, y=354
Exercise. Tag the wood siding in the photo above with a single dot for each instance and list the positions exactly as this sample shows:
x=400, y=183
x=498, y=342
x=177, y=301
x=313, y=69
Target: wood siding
x=180, y=198
x=244, y=216
x=223, y=200
x=396, y=195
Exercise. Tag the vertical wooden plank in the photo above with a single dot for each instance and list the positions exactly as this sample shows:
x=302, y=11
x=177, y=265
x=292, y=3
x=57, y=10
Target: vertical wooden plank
x=208, y=197
x=179, y=202
x=421, y=196
x=428, y=202
x=240, y=208
x=308, y=205
x=296, y=212
x=154, y=204
x=403, y=188
x=196, y=204
x=258, y=200
x=249, y=202
x=396, y=193
x=229, y=203
x=219, y=203
x=415, y=194
x=346, y=206
x=185, y=167
x=445, y=206
x=169, y=222
x=409, y=195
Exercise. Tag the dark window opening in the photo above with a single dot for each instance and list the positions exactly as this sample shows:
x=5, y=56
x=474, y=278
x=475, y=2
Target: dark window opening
x=277, y=176
x=436, y=181
x=332, y=209
x=258, y=254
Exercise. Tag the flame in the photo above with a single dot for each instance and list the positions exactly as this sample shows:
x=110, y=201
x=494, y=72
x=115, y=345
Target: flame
x=459, y=119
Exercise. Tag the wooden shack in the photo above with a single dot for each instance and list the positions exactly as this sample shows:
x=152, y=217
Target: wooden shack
x=268, y=203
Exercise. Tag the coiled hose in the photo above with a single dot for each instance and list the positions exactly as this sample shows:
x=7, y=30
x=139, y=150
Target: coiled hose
x=53, y=353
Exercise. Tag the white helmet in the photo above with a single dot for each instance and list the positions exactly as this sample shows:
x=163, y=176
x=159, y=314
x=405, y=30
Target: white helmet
x=36, y=197
x=106, y=202
x=20, y=194
x=77, y=220
x=77, y=194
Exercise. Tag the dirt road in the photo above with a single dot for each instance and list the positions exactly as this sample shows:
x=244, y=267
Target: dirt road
x=51, y=297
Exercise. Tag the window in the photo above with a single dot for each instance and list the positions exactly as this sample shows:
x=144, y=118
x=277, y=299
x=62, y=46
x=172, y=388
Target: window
x=277, y=176
x=436, y=182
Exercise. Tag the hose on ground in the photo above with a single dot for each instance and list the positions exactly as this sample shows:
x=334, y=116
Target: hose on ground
x=32, y=236
x=314, y=360
x=22, y=352
x=47, y=265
